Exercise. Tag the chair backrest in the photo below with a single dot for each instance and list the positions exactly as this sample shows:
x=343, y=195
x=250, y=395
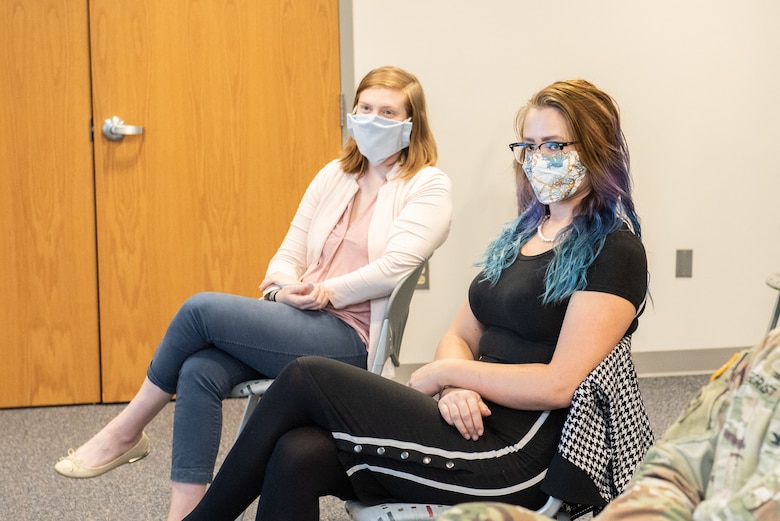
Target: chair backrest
x=394, y=323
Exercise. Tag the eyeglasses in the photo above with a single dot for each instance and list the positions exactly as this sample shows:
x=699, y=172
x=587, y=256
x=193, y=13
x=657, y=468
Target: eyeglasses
x=548, y=149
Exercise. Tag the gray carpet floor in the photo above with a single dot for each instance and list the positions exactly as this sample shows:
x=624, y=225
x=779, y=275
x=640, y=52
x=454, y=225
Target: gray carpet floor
x=33, y=439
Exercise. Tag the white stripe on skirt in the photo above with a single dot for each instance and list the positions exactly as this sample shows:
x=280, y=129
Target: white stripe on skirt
x=448, y=454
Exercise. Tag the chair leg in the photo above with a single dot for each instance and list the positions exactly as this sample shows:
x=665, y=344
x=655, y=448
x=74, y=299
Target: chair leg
x=775, y=315
x=251, y=403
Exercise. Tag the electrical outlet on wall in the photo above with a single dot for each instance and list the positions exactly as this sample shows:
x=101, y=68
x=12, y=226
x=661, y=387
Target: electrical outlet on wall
x=684, y=265
x=424, y=282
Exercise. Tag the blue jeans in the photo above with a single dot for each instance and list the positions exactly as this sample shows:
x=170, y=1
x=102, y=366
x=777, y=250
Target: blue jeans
x=216, y=341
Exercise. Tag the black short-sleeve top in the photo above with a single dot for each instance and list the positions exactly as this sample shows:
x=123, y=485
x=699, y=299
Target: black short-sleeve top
x=520, y=329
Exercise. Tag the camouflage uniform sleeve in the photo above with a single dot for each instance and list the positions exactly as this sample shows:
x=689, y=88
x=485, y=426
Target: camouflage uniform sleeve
x=489, y=511
x=670, y=482
x=721, y=459
x=745, y=482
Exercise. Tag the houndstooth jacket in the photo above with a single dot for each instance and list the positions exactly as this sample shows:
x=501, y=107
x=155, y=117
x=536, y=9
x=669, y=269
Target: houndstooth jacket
x=606, y=434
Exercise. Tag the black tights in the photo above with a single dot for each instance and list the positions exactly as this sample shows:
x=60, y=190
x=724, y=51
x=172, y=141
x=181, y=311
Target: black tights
x=305, y=462
x=284, y=441
x=288, y=456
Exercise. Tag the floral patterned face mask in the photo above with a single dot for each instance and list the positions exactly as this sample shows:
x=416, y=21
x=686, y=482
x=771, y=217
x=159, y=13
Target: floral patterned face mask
x=554, y=178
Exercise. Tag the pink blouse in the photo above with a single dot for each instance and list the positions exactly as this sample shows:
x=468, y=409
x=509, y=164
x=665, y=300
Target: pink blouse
x=345, y=251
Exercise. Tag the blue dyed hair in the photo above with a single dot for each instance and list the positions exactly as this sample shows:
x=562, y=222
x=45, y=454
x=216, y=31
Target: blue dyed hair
x=593, y=118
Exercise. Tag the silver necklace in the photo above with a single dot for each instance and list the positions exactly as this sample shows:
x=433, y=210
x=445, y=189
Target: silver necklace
x=539, y=230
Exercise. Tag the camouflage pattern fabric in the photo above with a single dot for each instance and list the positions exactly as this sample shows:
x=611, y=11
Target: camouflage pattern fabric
x=489, y=512
x=720, y=460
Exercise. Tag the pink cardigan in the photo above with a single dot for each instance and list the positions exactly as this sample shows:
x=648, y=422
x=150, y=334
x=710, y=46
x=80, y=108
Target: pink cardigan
x=411, y=219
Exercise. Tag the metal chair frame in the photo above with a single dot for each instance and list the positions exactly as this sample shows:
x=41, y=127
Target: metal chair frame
x=427, y=511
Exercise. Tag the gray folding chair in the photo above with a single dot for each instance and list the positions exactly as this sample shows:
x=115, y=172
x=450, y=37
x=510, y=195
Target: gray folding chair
x=774, y=282
x=388, y=347
x=425, y=511
x=394, y=323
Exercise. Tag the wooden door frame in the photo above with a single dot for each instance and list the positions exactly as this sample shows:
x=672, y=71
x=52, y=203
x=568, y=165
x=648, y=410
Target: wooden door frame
x=346, y=59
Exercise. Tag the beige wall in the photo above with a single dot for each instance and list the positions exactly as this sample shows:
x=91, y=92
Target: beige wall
x=698, y=84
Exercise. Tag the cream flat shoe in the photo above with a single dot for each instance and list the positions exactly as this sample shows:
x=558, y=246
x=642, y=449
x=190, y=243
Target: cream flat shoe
x=71, y=467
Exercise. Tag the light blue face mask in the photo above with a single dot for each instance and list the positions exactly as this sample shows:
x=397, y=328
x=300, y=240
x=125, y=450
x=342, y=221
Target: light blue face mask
x=378, y=138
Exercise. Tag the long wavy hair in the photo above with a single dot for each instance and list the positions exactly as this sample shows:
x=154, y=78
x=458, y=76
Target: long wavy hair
x=422, y=150
x=593, y=118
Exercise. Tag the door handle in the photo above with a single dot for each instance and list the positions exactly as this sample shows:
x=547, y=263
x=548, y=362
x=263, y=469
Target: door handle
x=114, y=129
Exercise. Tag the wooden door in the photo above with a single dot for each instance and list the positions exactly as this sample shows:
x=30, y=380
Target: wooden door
x=48, y=283
x=239, y=102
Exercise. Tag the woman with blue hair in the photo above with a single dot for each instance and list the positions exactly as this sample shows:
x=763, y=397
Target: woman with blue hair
x=559, y=288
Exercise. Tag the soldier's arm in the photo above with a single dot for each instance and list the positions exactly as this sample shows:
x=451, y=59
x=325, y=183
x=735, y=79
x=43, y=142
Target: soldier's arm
x=670, y=482
x=665, y=487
